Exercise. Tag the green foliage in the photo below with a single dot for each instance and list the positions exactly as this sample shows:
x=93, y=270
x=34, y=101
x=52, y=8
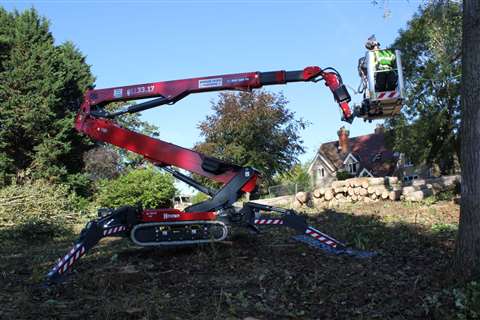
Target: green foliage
x=199, y=197
x=343, y=175
x=445, y=229
x=145, y=186
x=253, y=129
x=80, y=184
x=41, y=86
x=298, y=175
x=445, y=195
x=36, y=210
x=431, y=56
x=466, y=302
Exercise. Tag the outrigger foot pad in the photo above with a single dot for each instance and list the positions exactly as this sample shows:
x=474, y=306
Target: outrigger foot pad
x=339, y=250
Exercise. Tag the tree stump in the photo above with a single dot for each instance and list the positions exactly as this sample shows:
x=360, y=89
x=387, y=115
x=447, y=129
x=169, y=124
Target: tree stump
x=302, y=197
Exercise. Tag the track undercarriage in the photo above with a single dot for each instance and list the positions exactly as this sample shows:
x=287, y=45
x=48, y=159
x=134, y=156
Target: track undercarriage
x=171, y=227
x=178, y=233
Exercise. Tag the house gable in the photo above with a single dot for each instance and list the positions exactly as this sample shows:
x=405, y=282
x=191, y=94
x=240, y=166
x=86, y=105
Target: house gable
x=320, y=160
x=350, y=159
x=321, y=171
x=368, y=155
x=365, y=173
x=351, y=164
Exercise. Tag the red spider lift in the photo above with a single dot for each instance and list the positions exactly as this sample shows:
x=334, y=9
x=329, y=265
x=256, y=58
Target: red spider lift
x=207, y=221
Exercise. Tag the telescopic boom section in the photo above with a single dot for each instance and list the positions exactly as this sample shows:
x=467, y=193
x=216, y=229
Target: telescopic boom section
x=94, y=121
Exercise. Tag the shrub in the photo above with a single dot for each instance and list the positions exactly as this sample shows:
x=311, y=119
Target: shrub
x=343, y=175
x=36, y=209
x=298, y=175
x=199, y=197
x=145, y=186
x=466, y=300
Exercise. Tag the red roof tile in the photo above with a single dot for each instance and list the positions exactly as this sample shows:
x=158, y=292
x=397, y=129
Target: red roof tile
x=365, y=148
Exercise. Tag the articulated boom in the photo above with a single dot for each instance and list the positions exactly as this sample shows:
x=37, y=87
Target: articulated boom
x=206, y=221
x=168, y=92
x=98, y=124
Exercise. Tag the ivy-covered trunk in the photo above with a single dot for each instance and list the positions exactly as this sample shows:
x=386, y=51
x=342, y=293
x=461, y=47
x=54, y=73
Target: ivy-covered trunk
x=468, y=244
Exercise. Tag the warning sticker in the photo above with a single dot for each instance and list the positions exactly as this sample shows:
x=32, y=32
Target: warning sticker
x=117, y=93
x=209, y=83
x=237, y=80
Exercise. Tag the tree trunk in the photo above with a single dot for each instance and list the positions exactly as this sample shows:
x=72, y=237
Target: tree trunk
x=467, y=258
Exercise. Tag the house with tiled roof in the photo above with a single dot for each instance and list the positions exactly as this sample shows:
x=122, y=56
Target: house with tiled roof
x=362, y=156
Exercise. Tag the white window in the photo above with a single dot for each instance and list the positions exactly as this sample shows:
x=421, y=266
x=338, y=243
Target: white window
x=352, y=168
x=351, y=164
x=320, y=173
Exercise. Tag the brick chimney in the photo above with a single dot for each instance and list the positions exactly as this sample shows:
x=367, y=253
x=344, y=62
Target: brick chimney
x=343, y=145
x=380, y=129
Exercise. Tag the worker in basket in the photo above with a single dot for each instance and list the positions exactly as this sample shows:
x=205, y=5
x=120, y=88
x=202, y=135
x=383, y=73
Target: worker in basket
x=385, y=65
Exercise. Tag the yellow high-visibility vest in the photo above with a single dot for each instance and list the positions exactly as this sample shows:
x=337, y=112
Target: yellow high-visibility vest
x=385, y=59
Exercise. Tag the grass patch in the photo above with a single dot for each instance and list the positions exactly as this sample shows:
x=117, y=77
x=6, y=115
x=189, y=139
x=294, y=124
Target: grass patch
x=266, y=276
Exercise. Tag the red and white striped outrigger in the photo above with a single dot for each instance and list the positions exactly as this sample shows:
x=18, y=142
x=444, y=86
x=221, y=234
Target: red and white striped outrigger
x=67, y=261
x=387, y=95
x=268, y=221
x=306, y=233
x=289, y=218
x=121, y=222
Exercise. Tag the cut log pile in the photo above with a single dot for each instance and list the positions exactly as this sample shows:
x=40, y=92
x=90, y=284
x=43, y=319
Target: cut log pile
x=372, y=190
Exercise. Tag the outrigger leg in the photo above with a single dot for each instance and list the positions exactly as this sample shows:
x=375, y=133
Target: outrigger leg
x=115, y=223
x=307, y=234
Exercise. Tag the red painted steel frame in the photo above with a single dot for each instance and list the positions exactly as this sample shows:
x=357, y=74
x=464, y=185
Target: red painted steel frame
x=166, y=215
x=155, y=150
x=161, y=152
x=174, y=89
x=332, y=81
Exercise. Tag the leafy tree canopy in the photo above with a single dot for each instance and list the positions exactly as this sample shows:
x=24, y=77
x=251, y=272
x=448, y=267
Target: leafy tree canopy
x=253, y=129
x=427, y=131
x=41, y=85
x=41, y=88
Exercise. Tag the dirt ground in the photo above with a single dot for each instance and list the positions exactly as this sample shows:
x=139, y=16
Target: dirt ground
x=266, y=276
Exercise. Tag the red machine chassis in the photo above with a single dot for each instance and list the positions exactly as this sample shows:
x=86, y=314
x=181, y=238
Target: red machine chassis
x=94, y=121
